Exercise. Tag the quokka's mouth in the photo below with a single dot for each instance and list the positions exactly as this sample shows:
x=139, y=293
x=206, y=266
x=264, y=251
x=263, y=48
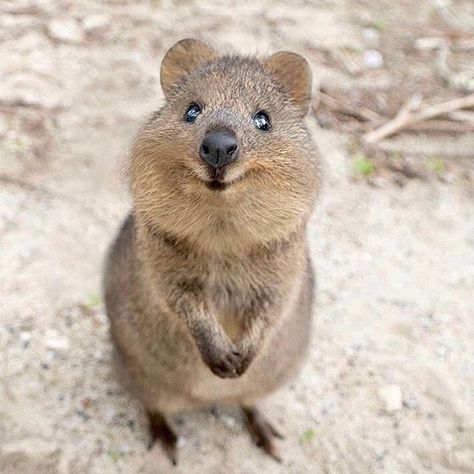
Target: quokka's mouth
x=215, y=182
x=220, y=185
x=216, y=185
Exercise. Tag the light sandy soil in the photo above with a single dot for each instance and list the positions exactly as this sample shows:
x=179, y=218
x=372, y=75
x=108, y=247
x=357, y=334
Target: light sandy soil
x=395, y=265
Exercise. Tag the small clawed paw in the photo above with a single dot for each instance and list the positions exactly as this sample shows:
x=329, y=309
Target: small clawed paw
x=244, y=365
x=247, y=356
x=227, y=366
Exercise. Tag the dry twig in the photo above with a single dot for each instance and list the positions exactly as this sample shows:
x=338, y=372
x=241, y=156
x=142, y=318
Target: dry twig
x=412, y=113
x=462, y=116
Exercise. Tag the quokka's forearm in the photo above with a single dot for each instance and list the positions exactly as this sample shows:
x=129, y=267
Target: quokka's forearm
x=217, y=351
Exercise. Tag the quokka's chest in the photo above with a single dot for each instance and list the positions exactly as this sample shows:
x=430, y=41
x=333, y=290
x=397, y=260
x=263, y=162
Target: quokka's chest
x=235, y=289
x=227, y=287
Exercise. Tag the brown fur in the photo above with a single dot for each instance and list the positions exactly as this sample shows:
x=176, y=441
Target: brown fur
x=209, y=293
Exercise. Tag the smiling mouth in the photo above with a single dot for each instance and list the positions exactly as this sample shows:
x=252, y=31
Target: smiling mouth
x=216, y=185
x=220, y=185
x=215, y=182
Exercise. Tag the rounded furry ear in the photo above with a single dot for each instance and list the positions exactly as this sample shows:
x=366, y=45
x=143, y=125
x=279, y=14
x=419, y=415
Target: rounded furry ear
x=293, y=73
x=181, y=59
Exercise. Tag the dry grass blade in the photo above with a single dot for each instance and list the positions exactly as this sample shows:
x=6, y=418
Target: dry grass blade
x=336, y=105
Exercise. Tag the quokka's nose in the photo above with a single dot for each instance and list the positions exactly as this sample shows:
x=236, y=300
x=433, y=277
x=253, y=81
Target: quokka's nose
x=219, y=148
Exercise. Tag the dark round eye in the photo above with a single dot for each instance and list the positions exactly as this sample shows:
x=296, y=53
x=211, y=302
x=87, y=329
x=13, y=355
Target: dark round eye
x=261, y=120
x=192, y=113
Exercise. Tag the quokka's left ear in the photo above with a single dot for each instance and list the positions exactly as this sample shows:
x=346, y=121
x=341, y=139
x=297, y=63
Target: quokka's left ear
x=293, y=73
x=181, y=59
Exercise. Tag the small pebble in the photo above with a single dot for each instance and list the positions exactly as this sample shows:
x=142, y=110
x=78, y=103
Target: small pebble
x=443, y=350
x=444, y=318
x=65, y=30
x=95, y=23
x=55, y=341
x=411, y=402
x=98, y=355
x=349, y=351
x=391, y=397
x=49, y=356
x=25, y=337
x=125, y=449
x=373, y=59
x=83, y=414
x=371, y=36
x=110, y=414
x=228, y=421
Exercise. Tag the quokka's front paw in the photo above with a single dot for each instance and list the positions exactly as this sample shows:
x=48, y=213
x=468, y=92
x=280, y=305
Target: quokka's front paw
x=245, y=360
x=247, y=355
x=226, y=363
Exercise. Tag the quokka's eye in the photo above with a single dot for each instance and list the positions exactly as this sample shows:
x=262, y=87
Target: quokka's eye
x=192, y=113
x=262, y=121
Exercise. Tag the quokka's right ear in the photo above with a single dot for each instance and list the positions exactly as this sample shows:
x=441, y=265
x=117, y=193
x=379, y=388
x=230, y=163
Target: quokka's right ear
x=293, y=73
x=181, y=59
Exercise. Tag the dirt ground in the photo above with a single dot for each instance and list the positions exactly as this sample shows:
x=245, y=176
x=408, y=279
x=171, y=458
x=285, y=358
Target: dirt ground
x=389, y=384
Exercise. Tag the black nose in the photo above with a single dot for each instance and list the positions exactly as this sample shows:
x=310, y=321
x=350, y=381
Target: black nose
x=219, y=148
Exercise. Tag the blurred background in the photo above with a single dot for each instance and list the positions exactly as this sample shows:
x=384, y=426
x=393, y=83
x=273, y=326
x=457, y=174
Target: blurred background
x=389, y=384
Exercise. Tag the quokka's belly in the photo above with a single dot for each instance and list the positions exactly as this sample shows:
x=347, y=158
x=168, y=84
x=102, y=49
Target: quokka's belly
x=277, y=362
x=173, y=378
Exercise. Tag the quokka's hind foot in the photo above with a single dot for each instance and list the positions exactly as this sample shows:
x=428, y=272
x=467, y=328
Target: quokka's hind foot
x=262, y=431
x=160, y=431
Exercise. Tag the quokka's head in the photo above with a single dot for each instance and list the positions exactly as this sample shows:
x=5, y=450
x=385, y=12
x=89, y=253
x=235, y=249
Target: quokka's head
x=231, y=132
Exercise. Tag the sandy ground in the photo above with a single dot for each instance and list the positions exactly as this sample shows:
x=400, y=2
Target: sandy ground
x=389, y=384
